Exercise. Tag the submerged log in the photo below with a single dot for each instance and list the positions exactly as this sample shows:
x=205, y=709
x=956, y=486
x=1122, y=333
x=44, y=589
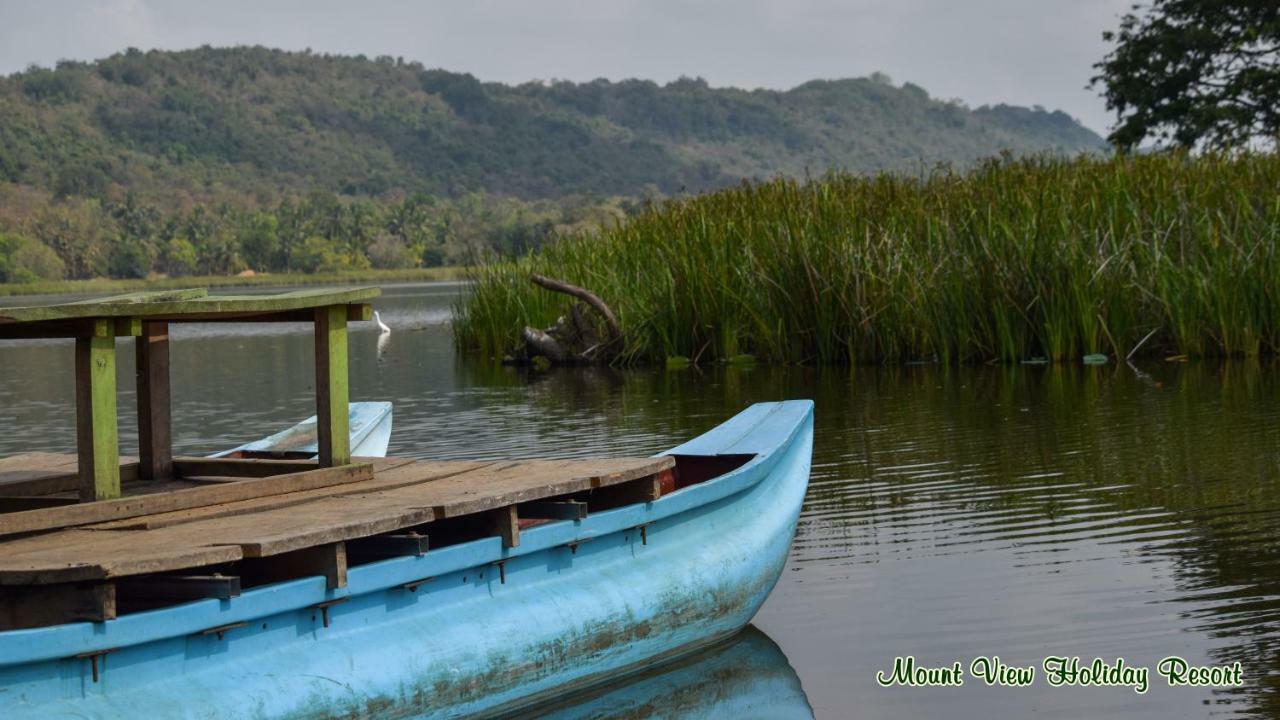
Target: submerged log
x=539, y=342
x=575, y=339
x=588, y=297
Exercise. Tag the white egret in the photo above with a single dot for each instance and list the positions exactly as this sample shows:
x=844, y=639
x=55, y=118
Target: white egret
x=381, y=325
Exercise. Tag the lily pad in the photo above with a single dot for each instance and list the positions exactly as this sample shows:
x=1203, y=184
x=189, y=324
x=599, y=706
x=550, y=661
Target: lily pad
x=675, y=362
x=1036, y=361
x=1095, y=359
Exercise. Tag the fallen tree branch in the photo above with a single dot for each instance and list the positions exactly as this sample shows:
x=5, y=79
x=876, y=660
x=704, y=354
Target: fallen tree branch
x=586, y=296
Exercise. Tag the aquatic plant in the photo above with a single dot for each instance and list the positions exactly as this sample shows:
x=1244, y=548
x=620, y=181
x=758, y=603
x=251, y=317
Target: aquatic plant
x=1014, y=260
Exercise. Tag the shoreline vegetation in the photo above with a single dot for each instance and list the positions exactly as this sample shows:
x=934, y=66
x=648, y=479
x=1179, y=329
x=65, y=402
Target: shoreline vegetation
x=110, y=285
x=1037, y=259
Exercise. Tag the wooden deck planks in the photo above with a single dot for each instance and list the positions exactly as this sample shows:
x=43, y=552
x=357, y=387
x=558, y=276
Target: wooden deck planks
x=95, y=512
x=41, y=473
x=78, y=555
x=401, y=494
x=513, y=483
x=389, y=473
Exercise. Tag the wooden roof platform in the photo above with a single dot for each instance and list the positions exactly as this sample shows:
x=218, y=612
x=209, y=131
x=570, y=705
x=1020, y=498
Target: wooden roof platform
x=95, y=324
x=394, y=494
x=194, y=305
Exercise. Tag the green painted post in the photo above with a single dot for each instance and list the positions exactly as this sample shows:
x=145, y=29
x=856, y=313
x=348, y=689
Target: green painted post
x=97, y=443
x=332, y=395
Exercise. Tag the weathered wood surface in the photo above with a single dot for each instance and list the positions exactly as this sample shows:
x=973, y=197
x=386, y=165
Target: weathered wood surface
x=57, y=604
x=180, y=587
x=155, y=432
x=401, y=494
x=19, y=503
x=187, y=305
x=333, y=432
x=383, y=479
x=96, y=432
x=239, y=467
x=83, y=327
x=42, y=473
x=166, y=500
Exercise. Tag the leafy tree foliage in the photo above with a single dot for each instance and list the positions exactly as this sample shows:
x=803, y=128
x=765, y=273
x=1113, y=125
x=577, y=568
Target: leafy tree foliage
x=221, y=160
x=1195, y=72
x=46, y=237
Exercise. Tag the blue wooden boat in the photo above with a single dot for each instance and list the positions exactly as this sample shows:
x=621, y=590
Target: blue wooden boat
x=475, y=628
x=370, y=424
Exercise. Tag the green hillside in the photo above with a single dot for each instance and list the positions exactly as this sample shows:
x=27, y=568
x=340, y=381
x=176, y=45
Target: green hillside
x=259, y=121
x=218, y=161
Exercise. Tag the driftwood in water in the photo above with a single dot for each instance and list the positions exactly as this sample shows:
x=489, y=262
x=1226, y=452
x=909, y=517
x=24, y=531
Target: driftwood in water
x=580, y=338
x=590, y=298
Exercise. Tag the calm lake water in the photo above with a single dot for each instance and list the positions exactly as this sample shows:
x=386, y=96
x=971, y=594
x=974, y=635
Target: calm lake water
x=1020, y=511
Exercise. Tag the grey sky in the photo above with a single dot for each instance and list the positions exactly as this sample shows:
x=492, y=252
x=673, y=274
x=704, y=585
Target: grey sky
x=982, y=51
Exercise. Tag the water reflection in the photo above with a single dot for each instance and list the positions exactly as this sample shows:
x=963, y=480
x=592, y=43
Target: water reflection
x=748, y=678
x=1020, y=511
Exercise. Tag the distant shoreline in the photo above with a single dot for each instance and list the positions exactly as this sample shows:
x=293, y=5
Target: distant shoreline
x=108, y=285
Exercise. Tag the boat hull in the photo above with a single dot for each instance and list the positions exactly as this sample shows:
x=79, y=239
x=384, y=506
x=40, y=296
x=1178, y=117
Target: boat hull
x=576, y=603
x=370, y=424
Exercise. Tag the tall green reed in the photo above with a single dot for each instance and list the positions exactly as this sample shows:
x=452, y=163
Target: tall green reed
x=1017, y=259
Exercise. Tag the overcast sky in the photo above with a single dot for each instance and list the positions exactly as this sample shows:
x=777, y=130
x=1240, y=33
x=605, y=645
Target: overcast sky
x=1023, y=52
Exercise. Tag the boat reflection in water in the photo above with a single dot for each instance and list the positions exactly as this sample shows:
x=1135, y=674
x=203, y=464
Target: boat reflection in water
x=745, y=678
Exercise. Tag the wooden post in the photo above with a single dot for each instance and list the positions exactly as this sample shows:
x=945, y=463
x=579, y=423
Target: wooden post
x=155, y=441
x=505, y=523
x=97, y=444
x=332, y=423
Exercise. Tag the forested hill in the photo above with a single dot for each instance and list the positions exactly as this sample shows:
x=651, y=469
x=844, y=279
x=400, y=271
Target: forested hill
x=210, y=123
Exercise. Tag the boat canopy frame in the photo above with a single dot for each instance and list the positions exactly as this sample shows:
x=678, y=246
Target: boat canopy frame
x=96, y=323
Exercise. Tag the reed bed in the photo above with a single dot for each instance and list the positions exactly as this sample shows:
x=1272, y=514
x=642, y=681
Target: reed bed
x=1015, y=260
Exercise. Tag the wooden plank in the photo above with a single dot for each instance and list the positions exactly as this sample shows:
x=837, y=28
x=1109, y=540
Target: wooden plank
x=18, y=503
x=522, y=482
x=57, y=605
x=38, y=461
x=282, y=530
x=46, y=482
x=97, y=443
x=332, y=421
x=146, y=296
x=38, y=473
x=357, y=312
x=391, y=476
x=82, y=555
x=87, y=513
x=122, y=327
x=505, y=523
x=179, y=587
x=239, y=467
x=155, y=440
x=362, y=511
x=379, y=547
x=328, y=560
x=644, y=490
x=211, y=479
x=202, y=308
x=548, y=510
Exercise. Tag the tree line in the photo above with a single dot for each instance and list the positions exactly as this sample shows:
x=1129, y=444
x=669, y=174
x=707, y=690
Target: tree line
x=43, y=237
